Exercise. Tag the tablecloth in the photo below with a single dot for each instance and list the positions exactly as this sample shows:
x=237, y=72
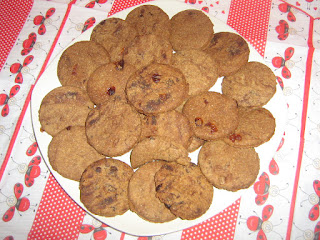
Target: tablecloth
x=34, y=206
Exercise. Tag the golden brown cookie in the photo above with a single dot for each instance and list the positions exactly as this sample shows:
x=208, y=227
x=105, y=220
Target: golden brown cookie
x=229, y=50
x=183, y=189
x=211, y=115
x=69, y=152
x=104, y=187
x=156, y=88
x=149, y=19
x=147, y=49
x=198, y=67
x=115, y=35
x=228, y=167
x=142, y=194
x=252, y=86
x=109, y=81
x=113, y=128
x=158, y=148
x=78, y=61
x=171, y=125
x=190, y=29
x=63, y=107
x=256, y=126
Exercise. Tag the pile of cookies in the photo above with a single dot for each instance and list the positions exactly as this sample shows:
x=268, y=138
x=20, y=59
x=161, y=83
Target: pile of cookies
x=143, y=85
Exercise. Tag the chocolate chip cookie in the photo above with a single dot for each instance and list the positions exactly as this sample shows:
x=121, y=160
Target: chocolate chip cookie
x=115, y=35
x=104, y=187
x=109, y=81
x=183, y=189
x=156, y=88
x=229, y=50
x=69, y=152
x=253, y=85
x=113, y=128
x=78, y=61
x=199, y=69
x=190, y=29
x=142, y=194
x=228, y=167
x=63, y=107
x=211, y=115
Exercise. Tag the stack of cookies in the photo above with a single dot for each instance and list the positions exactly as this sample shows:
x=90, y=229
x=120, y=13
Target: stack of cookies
x=143, y=85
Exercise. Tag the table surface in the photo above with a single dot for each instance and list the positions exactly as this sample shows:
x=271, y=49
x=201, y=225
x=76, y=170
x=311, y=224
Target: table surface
x=44, y=211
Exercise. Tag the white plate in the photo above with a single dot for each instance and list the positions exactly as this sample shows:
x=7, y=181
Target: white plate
x=130, y=222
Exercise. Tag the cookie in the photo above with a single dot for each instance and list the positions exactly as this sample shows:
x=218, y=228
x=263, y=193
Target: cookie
x=256, y=126
x=190, y=29
x=109, y=81
x=78, y=61
x=104, y=187
x=228, y=167
x=211, y=115
x=113, y=128
x=252, y=86
x=199, y=69
x=171, y=125
x=156, y=88
x=183, y=189
x=229, y=50
x=142, y=194
x=147, y=49
x=149, y=19
x=115, y=35
x=69, y=153
x=63, y=107
x=160, y=148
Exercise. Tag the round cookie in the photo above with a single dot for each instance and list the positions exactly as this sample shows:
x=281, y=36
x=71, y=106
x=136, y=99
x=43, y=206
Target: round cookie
x=183, y=189
x=156, y=88
x=69, y=153
x=157, y=147
x=256, y=126
x=211, y=115
x=78, y=61
x=190, y=29
x=109, y=81
x=63, y=107
x=171, y=125
x=115, y=35
x=142, y=194
x=199, y=69
x=149, y=19
x=228, y=167
x=147, y=49
x=229, y=50
x=104, y=187
x=252, y=86
x=113, y=128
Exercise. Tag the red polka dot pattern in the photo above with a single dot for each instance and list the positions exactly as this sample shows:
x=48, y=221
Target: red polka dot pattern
x=13, y=15
x=121, y=5
x=250, y=23
x=221, y=226
x=58, y=216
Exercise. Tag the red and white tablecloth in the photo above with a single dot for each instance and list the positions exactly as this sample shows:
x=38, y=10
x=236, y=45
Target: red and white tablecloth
x=32, y=33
